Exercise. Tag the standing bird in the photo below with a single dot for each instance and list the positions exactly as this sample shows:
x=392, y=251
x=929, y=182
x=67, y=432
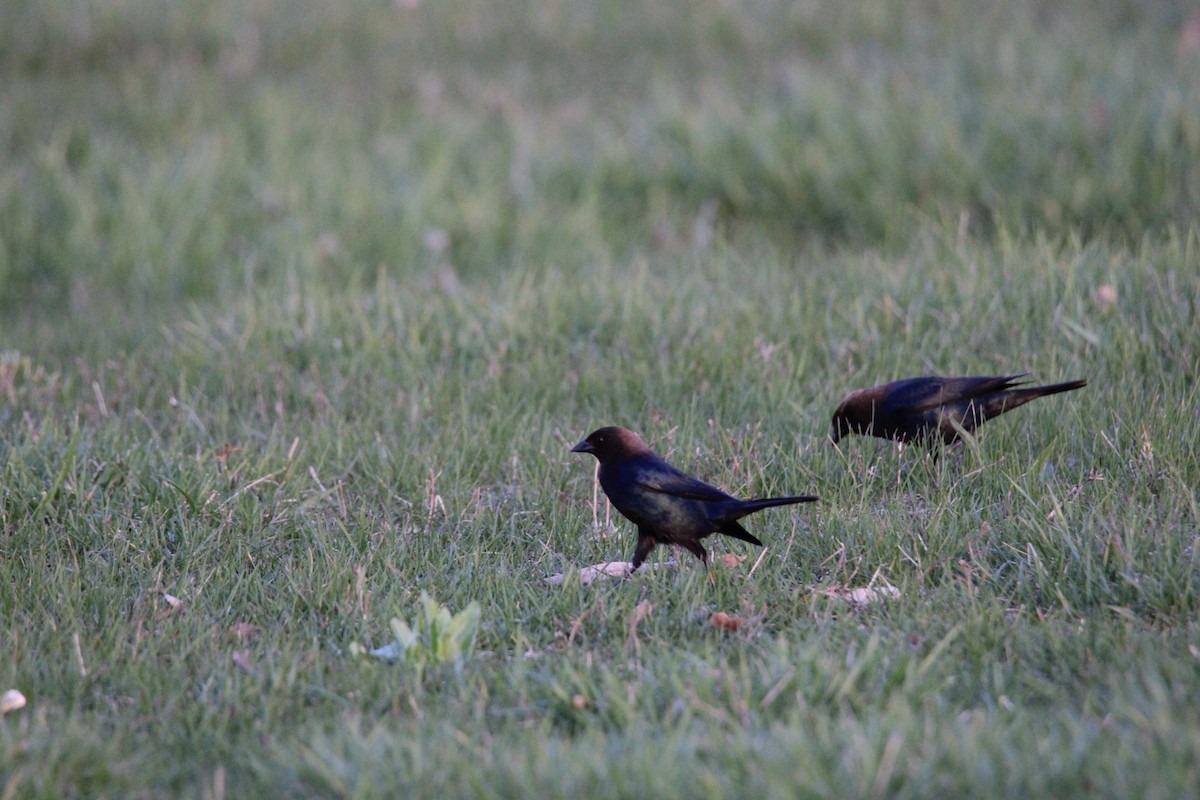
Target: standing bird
x=668, y=506
x=920, y=409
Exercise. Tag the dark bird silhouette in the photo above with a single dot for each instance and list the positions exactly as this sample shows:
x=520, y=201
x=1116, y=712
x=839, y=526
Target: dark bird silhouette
x=924, y=409
x=668, y=506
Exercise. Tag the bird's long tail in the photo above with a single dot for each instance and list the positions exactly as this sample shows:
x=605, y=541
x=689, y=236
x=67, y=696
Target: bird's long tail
x=1024, y=395
x=1055, y=388
x=744, y=507
x=768, y=502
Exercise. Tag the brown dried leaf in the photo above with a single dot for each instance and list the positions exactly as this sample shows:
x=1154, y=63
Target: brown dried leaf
x=726, y=622
x=223, y=453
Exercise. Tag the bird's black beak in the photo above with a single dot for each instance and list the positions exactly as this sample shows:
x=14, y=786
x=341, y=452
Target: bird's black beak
x=583, y=447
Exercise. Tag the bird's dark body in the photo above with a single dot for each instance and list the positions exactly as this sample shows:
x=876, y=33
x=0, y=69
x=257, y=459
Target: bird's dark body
x=667, y=505
x=929, y=408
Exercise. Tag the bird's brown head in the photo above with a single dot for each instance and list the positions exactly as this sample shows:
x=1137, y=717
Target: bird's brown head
x=854, y=415
x=611, y=443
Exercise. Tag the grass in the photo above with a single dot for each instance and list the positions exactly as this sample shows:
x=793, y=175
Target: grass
x=304, y=307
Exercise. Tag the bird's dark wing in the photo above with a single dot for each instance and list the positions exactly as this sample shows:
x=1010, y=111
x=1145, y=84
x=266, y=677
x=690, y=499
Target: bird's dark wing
x=918, y=395
x=665, y=479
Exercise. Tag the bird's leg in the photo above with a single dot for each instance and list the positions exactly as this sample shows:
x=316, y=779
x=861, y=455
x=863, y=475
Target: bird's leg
x=645, y=544
x=696, y=549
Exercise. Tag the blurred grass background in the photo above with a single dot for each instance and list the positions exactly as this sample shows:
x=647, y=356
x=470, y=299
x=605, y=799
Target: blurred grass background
x=304, y=303
x=183, y=153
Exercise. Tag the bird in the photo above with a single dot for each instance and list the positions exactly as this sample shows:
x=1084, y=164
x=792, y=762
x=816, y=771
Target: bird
x=927, y=408
x=667, y=505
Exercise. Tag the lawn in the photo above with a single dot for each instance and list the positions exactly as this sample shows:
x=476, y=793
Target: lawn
x=304, y=305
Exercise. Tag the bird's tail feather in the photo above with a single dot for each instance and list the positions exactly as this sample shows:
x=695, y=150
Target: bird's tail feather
x=735, y=529
x=1019, y=397
x=768, y=502
x=1055, y=388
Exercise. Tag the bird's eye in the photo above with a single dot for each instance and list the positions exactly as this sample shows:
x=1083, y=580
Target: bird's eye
x=598, y=440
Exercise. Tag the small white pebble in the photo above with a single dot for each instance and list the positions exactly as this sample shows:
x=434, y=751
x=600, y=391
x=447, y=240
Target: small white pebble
x=11, y=701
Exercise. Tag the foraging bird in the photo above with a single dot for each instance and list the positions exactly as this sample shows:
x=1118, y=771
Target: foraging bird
x=921, y=409
x=668, y=506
